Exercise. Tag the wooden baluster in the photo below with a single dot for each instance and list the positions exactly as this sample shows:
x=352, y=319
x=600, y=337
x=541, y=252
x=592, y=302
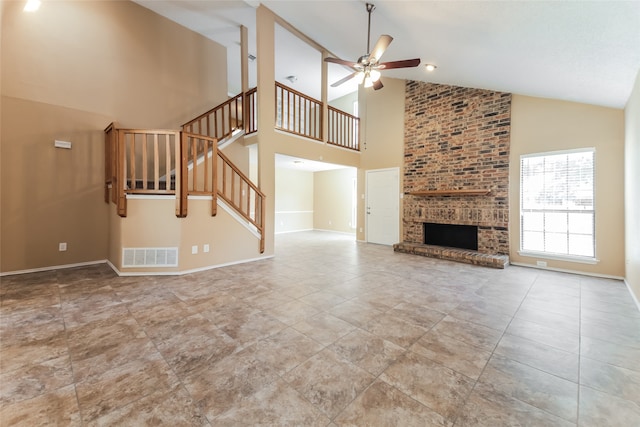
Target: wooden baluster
x=167, y=163
x=233, y=187
x=229, y=121
x=224, y=178
x=194, y=163
x=206, y=165
x=239, y=123
x=248, y=200
x=215, y=125
x=156, y=163
x=231, y=118
x=132, y=161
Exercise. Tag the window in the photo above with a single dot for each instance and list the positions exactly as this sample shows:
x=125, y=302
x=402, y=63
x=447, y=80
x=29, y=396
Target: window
x=557, y=203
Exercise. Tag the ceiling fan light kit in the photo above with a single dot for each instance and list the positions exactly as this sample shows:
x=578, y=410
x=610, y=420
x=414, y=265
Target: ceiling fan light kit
x=367, y=68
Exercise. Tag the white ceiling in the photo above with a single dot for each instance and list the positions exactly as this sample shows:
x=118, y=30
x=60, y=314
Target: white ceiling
x=584, y=51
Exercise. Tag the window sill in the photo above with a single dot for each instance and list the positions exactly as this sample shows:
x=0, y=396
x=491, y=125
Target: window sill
x=568, y=258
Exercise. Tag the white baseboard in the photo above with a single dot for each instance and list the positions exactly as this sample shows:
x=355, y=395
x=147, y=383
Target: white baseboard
x=346, y=233
x=53, y=267
x=183, y=272
x=635, y=298
x=294, y=231
x=564, y=270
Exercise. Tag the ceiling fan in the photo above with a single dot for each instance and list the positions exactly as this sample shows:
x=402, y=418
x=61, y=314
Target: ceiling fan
x=368, y=67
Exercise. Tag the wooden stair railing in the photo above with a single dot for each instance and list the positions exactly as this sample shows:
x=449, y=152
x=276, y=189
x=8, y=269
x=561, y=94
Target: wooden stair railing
x=198, y=169
x=244, y=196
x=140, y=161
x=236, y=113
x=169, y=162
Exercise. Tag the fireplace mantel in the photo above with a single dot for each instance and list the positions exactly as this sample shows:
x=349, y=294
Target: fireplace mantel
x=435, y=193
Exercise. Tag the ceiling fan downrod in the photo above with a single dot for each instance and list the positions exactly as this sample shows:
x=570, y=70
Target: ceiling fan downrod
x=370, y=8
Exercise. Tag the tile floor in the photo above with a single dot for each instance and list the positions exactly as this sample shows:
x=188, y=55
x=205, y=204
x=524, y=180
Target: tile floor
x=329, y=332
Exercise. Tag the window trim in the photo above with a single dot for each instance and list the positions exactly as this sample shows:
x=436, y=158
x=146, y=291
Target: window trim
x=551, y=255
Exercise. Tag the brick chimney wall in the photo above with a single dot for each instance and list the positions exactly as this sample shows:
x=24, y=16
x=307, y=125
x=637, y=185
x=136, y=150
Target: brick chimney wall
x=457, y=138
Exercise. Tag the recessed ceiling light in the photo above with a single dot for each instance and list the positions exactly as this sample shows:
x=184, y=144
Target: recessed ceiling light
x=430, y=67
x=32, y=5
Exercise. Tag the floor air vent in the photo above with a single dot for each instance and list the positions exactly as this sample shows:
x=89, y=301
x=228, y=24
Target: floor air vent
x=150, y=257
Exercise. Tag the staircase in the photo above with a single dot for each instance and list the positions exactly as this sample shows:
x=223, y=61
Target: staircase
x=187, y=162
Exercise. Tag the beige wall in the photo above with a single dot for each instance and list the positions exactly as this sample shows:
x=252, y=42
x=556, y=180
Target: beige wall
x=152, y=223
x=294, y=202
x=51, y=195
x=333, y=200
x=111, y=57
x=382, y=138
x=541, y=125
x=632, y=189
x=67, y=71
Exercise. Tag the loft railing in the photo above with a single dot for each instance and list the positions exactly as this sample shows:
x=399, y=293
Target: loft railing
x=298, y=113
x=344, y=129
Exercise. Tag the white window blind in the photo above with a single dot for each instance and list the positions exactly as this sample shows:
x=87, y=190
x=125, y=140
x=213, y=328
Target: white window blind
x=557, y=203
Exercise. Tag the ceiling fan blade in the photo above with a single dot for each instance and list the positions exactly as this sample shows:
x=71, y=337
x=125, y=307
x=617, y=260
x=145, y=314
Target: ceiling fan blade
x=407, y=63
x=345, y=79
x=341, y=62
x=381, y=45
x=377, y=85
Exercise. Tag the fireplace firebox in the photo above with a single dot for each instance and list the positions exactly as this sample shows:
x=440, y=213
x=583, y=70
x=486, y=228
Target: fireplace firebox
x=451, y=235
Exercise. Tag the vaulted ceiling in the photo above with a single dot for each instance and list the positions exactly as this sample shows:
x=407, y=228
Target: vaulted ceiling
x=584, y=51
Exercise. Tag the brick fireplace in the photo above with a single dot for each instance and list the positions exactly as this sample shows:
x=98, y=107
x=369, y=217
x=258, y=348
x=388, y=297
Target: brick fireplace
x=456, y=167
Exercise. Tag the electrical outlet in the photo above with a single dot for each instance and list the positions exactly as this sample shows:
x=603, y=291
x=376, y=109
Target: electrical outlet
x=194, y=249
x=62, y=246
x=541, y=263
x=205, y=248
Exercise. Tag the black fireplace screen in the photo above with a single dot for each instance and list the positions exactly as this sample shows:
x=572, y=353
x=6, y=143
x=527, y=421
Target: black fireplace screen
x=451, y=235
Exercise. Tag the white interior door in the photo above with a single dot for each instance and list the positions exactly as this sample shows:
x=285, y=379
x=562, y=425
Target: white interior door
x=383, y=206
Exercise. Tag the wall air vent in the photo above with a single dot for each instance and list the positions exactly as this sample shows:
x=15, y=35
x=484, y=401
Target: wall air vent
x=149, y=257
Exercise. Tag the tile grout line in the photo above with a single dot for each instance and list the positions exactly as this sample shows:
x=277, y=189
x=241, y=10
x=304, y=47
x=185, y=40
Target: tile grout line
x=66, y=338
x=492, y=354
